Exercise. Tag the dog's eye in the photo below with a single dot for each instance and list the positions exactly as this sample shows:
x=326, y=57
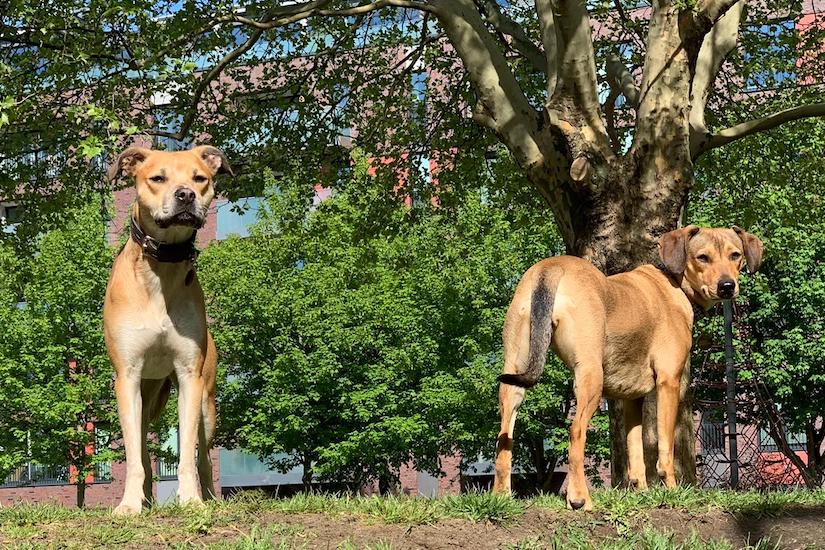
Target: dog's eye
x=157, y=179
x=703, y=258
x=199, y=178
x=735, y=256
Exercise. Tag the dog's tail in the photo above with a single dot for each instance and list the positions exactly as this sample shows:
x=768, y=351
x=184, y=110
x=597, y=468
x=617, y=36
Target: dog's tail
x=541, y=333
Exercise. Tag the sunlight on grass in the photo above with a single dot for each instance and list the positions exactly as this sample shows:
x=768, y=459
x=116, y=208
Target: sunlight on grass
x=479, y=506
x=253, y=520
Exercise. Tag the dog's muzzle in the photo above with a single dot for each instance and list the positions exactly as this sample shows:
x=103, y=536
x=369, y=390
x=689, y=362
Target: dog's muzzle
x=726, y=289
x=183, y=215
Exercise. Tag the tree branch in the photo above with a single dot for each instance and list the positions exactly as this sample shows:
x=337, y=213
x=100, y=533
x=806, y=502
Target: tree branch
x=285, y=15
x=610, y=116
x=578, y=66
x=708, y=13
x=621, y=79
x=550, y=40
x=502, y=106
x=763, y=124
x=716, y=45
x=215, y=72
x=521, y=42
x=662, y=126
x=280, y=16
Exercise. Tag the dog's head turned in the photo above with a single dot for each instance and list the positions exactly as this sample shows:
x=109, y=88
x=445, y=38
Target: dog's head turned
x=710, y=259
x=174, y=189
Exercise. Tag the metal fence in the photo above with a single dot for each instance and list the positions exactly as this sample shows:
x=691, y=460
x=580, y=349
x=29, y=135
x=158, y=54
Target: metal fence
x=35, y=475
x=32, y=474
x=167, y=469
x=734, y=443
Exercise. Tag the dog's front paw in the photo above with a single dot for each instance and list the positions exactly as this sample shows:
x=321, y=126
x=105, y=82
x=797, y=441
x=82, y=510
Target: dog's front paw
x=190, y=500
x=127, y=509
x=580, y=504
x=579, y=499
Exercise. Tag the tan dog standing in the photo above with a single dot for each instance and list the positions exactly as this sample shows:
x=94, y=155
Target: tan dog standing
x=622, y=336
x=154, y=317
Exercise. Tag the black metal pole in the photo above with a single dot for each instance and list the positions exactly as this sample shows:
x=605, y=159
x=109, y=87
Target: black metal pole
x=730, y=376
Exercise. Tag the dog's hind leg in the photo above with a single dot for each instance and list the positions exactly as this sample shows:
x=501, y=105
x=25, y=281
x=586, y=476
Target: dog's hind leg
x=510, y=398
x=667, y=409
x=588, y=389
x=527, y=335
x=635, y=446
x=206, y=431
x=516, y=339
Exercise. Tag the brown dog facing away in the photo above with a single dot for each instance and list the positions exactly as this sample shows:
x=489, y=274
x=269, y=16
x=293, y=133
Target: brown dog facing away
x=155, y=321
x=622, y=336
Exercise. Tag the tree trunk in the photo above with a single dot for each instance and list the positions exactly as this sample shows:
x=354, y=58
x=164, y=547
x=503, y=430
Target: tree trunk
x=81, y=492
x=618, y=231
x=306, y=478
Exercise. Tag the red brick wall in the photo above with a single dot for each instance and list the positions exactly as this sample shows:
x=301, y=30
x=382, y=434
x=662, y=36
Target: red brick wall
x=97, y=494
x=408, y=479
x=450, y=484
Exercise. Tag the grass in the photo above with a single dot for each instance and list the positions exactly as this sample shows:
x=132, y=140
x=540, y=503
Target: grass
x=254, y=521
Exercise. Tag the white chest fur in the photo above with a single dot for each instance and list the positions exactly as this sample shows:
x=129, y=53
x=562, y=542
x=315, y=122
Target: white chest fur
x=163, y=335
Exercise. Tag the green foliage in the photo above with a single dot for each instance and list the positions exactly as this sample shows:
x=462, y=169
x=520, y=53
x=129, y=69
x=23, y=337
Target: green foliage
x=484, y=506
x=50, y=318
x=777, y=194
x=122, y=54
x=358, y=342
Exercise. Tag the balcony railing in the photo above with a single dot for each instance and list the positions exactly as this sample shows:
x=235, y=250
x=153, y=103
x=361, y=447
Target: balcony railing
x=167, y=470
x=36, y=474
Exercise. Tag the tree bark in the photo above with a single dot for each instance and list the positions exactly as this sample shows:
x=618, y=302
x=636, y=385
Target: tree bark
x=81, y=493
x=306, y=477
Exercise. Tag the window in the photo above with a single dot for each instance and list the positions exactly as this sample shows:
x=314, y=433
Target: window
x=712, y=434
x=777, y=40
x=168, y=469
x=11, y=214
x=102, y=470
x=418, y=109
x=796, y=441
x=167, y=120
x=421, y=179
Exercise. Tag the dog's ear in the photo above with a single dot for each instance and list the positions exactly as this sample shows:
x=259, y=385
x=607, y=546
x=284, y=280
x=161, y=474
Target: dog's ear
x=673, y=248
x=753, y=248
x=214, y=159
x=127, y=162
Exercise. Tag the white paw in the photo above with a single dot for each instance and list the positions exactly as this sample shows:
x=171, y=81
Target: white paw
x=126, y=509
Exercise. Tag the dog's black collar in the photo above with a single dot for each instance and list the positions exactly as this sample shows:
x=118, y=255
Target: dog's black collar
x=164, y=252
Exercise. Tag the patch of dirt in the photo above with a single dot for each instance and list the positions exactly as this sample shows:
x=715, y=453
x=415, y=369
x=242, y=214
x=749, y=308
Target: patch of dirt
x=797, y=530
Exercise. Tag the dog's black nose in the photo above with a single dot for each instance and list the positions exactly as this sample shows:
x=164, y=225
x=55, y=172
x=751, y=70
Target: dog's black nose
x=726, y=288
x=185, y=195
